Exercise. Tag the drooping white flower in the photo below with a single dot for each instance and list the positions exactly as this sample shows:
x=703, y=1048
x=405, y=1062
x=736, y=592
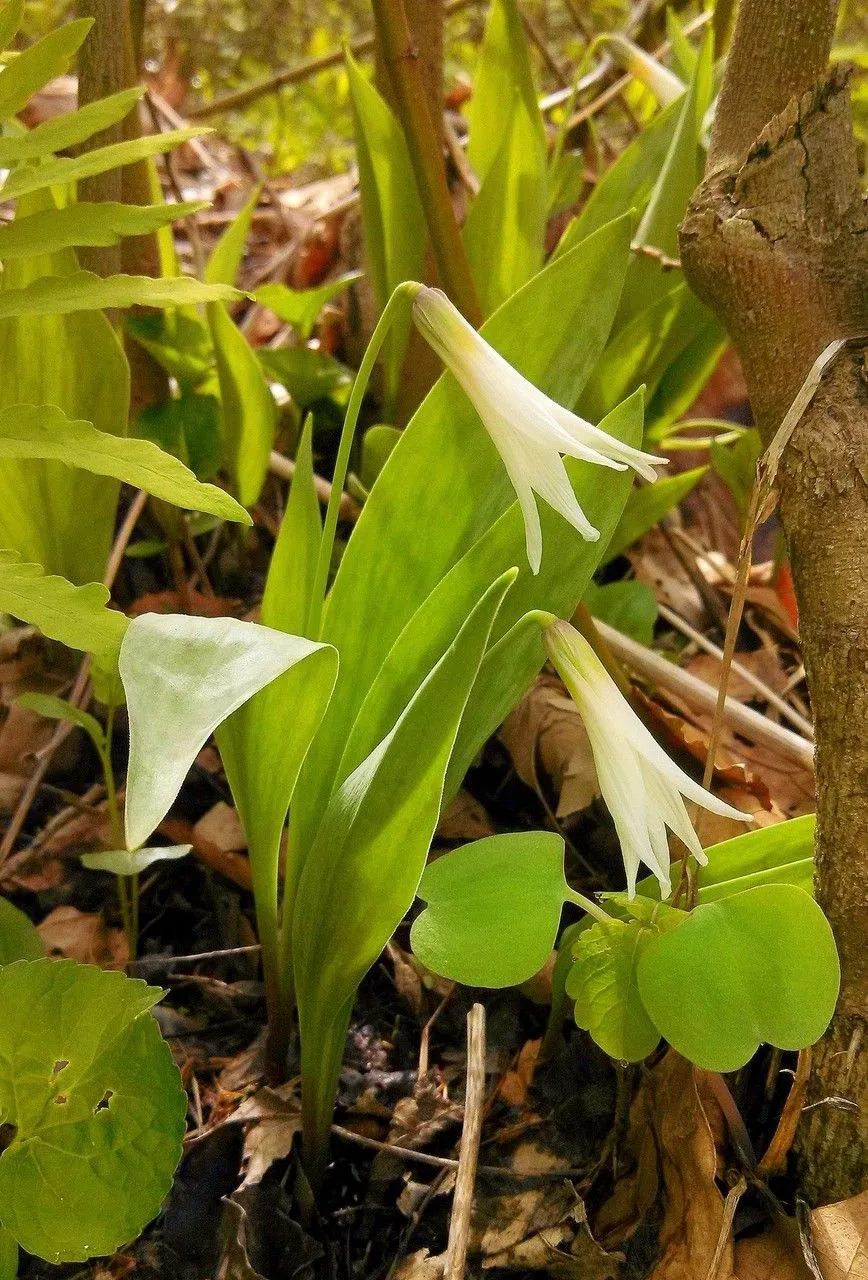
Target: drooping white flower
x=642, y=787
x=529, y=430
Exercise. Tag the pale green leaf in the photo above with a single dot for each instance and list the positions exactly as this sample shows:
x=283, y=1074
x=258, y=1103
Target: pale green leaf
x=19, y=938
x=648, y=505
x=76, y=616
x=301, y=307
x=225, y=261
x=11, y=17
x=31, y=69
x=69, y=129
x=53, y=708
x=493, y=909
x=503, y=69
x=629, y=607
x=289, y=585
x=249, y=413
x=123, y=862
x=603, y=983
x=86, y=224
x=84, y=291
x=97, y=1106
x=43, y=431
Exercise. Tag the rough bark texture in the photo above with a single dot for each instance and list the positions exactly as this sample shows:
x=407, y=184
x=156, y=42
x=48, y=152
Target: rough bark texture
x=776, y=241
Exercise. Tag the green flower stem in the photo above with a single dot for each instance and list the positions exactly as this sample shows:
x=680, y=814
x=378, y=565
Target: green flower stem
x=404, y=293
x=587, y=904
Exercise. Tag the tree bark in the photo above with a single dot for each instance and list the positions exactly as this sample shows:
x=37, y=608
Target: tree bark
x=776, y=242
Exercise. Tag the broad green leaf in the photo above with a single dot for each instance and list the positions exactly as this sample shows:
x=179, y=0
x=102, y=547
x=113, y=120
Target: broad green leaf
x=307, y=375
x=377, y=443
x=683, y=52
x=504, y=235
x=19, y=937
x=53, y=708
x=123, y=862
x=187, y=425
x=183, y=677
x=604, y=986
x=8, y=1256
x=76, y=616
x=502, y=71
x=97, y=1104
x=370, y=852
x=301, y=307
x=225, y=261
x=249, y=413
x=87, y=376
x=736, y=465
x=630, y=607
x=65, y=169
x=11, y=17
x=685, y=374
x=84, y=291
x=42, y=431
x=553, y=331
x=69, y=129
x=566, y=182
x=179, y=341
x=86, y=224
x=289, y=585
x=493, y=909
x=31, y=69
x=392, y=214
x=758, y=966
x=649, y=504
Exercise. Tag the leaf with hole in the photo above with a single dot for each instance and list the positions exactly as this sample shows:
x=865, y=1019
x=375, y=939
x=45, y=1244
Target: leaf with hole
x=97, y=1107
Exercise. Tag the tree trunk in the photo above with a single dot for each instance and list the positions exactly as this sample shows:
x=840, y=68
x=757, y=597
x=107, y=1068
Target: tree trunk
x=775, y=242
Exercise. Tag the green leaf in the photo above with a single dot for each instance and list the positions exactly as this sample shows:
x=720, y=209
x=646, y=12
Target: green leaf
x=8, y=1256
x=630, y=607
x=179, y=341
x=65, y=169
x=42, y=431
x=307, y=375
x=503, y=69
x=86, y=224
x=84, y=291
x=123, y=862
x=301, y=307
x=249, y=413
x=291, y=572
x=663, y=83
x=19, y=937
x=736, y=466
x=76, y=616
x=377, y=443
x=370, y=852
x=504, y=235
x=648, y=505
x=45, y=704
x=603, y=983
x=35, y=66
x=493, y=909
x=187, y=425
x=392, y=214
x=11, y=17
x=683, y=53
x=97, y=1104
x=225, y=261
x=552, y=331
x=183, y=677
x=69, y=129
x=758, y=966
x=685, y=375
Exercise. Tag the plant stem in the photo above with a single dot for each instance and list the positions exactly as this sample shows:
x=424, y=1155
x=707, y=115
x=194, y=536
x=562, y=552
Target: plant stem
x=128, y=886
x=426, y=155
x=587, y=904
x=584, y=623
x=399, y=299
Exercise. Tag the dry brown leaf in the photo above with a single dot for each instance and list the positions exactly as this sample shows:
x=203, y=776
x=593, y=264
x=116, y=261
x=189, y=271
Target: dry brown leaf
x=407, y=978
x=516, y=1083
x=762, y=663
x=221, y=827
x=464, y=819
x=503, y=1222
x=421, y=1265
x=545, y=736
x=774, y=1255
x=274, y=1118
x=841, y=1238
x=85, y=937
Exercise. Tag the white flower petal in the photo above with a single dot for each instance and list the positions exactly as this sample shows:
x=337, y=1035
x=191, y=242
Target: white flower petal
x=594, y=438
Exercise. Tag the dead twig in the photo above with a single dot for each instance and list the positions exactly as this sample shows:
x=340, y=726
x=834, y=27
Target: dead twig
x=468, y=1159
x=284, y=467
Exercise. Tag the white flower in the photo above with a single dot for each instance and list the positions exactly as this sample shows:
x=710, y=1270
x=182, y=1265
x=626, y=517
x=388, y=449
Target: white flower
x=642, y=787
x=529, y=430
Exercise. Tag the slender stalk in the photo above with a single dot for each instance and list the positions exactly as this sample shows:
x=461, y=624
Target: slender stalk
x=399, y=299
x=426, y=155
x=128, y=886
x=588, y=905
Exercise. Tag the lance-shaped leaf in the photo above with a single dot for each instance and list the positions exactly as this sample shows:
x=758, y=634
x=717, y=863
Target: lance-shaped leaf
x=84, y=291
x=35, y=66
x=86, y=224
x=363, y=870
x=649, y=504
x=493, y=909
x=96, y=1104
x=183, y=677
x=291, y=573
x=301, y=307
x=44, y=431
x=76, y=616
x=69, y=129
x=248, y=408
x=11, y=17
x=53, y=708
x=228, y=253
x=124, y=862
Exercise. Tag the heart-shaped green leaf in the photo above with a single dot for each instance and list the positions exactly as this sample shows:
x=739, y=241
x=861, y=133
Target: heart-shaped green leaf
x=19, y=939
x=124, y=862
x=603, y=984
x=758, y=966
x=97, y=1105
x=493, y=909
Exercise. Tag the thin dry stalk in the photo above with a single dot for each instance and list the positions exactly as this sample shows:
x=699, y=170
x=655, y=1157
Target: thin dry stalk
x=468, y=1158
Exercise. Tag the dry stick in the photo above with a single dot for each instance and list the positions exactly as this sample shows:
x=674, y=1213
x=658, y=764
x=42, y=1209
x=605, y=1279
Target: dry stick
x=776, y=1153
x=303, y=71
x=653, y=666
x=284, y=467
x=759, y=686
x=536, y=37
x=468, y=1157
x=78, y=696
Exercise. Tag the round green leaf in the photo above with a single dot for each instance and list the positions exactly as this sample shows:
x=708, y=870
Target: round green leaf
x=493, y=909
x=97, y=1105
x=19, y=939
x=758, y=966
x=124, y=862
x=604, y=986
